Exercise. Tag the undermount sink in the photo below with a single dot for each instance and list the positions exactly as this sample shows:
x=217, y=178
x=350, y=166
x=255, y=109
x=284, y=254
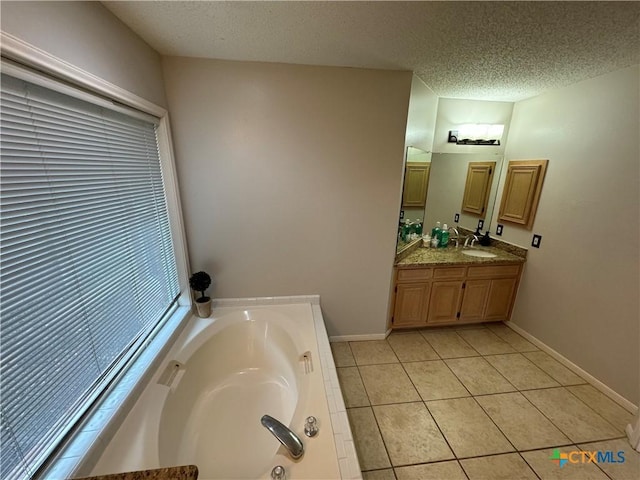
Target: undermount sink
x=479, y=253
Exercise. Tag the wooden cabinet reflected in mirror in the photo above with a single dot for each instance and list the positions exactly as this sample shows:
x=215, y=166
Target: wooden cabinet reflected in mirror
x=416, y=179
x=521, y=193
x=477, y=187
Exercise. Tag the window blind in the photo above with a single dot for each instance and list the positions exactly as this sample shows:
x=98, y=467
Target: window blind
x=87, y=262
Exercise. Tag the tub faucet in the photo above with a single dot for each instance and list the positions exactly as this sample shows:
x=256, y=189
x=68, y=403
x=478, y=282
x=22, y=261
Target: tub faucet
x=285, y=436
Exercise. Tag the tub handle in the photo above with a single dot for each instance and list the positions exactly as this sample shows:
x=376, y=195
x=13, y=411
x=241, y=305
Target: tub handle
x=285, y=436
x=278, y=473
x=311, y=427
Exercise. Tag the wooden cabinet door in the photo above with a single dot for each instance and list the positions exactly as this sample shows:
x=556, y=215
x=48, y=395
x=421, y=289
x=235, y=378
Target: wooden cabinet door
x=411, y=301
x=478, y=187
x=474, y=300
x=500, y=298
x=416, y=179
x=521, y=193
x=444, y=301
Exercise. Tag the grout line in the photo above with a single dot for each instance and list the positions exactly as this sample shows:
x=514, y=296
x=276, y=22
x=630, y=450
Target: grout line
x=384, y=443
x=431, y=463
x=566, y=433
x=530, y=466
x=592, y=408
x=597, y=464
x=386, y=451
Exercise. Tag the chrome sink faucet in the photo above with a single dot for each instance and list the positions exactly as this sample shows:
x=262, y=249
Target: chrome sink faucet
x=285, y=436
x=455, y=230
x=474, y=238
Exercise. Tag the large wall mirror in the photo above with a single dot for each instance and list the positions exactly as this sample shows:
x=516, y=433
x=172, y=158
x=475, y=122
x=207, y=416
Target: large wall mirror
x=458, y=183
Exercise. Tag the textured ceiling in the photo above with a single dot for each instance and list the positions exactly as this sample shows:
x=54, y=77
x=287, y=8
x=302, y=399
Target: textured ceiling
x=476, y=50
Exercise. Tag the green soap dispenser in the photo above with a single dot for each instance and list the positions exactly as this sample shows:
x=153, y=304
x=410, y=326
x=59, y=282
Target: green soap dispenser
x=435, y=231
x=444, y=236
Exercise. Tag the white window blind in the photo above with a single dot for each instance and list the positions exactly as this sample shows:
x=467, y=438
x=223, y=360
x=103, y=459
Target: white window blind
x=87, y=262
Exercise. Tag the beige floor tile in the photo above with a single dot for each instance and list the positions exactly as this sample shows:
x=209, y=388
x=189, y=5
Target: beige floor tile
x=486, y=342
x=388, y=383
x=498, y=467
x=547, y=469
x=410, y=434
x=434, y=380
x=629, y=469
x=521, y=422
x=518, y=342
x=607, y=408
x=342, y=355
x=386, y=474
x=372, y=352
x=469, y=430
x=576, y=420
x=352, y=387
x=448, y=344
x=479, y=376
x=369, y=446
x=411, y=347
x=555, y=369
x=432, y=471
x=521, y=372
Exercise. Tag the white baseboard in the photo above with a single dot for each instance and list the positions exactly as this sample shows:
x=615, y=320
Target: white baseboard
x=612, y=394
x=357, y=338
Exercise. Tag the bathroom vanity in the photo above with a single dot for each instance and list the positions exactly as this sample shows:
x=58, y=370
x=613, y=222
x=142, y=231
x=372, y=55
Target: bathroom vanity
x=438, y=287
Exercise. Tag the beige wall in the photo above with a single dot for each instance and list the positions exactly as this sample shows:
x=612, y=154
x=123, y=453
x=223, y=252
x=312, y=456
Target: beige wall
x=579, y=292
x=88, y=36
x=421, y=119
x=290, y=180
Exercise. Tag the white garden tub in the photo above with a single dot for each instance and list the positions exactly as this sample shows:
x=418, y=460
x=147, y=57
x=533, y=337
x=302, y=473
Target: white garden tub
x=204, y=404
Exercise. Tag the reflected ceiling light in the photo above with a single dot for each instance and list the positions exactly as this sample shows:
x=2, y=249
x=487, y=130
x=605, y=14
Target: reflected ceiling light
x=477, y=134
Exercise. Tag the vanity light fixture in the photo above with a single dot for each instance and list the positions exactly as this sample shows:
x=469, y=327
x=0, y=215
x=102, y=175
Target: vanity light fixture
x=476, y=134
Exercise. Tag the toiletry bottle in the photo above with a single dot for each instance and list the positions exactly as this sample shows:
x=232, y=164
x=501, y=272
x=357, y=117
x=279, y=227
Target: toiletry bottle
x=434, y=242
x=418, y=225
x=435, y=231
x=406, y=230
x=444, y=236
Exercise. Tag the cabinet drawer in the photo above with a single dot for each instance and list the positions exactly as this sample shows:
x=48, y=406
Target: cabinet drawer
x=493, y=271
x=449, y=273
x=414, y=274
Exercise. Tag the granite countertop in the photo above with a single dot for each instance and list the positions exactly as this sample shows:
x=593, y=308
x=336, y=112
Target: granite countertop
x=440, y=257
x=185, y=472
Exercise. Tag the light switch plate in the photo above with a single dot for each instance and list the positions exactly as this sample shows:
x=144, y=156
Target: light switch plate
x=499, y=229
x=456, y=217
x=537, y=239
x=480, y=224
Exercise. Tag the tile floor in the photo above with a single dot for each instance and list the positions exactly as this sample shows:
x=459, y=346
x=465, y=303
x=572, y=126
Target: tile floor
x=478, y=403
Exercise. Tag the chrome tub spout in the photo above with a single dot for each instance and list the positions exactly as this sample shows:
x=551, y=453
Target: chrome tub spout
x=285, y=436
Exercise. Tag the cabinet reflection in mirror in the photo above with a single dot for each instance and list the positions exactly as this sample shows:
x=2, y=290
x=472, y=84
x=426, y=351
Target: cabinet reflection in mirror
x=415, y=187
x=478, y=187
x=416, y=181
x=464, y=183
